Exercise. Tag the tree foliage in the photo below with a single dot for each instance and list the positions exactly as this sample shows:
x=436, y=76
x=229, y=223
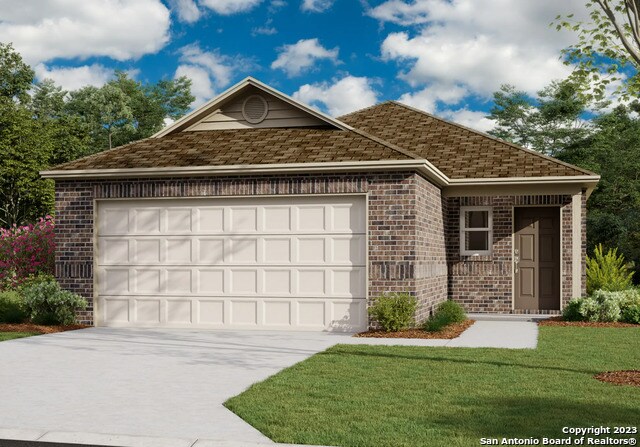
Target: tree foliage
x=608, y=44
x=42, y=125
x=548, y=123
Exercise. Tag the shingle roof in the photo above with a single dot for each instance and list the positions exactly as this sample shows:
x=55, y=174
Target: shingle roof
x=388, y=131
x=457, y=151
x=240, y=147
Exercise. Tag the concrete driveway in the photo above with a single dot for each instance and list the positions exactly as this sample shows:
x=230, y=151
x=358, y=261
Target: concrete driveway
x=141, y=382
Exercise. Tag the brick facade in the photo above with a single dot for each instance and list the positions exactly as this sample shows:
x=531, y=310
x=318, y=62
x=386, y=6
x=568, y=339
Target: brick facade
x=396, y=262
x=485, y=283
x=413, y=232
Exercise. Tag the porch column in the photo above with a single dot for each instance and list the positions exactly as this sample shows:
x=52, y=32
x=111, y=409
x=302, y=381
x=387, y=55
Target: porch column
x=576, y=245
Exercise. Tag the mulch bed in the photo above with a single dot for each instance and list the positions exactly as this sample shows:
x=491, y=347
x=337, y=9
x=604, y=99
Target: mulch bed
x=451, y=331
x=557, y=321
x=629, y=377
x=36, y=328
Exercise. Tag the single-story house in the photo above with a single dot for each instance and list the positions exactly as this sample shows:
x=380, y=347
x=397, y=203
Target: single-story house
x=257, y=211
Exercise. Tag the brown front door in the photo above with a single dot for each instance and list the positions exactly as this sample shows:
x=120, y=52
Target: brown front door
x=537, y=258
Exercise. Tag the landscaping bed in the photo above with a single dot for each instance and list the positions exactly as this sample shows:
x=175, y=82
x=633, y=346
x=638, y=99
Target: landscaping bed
x=558, y=321
x=448, y=332
x=630, y=377
x=38, y=329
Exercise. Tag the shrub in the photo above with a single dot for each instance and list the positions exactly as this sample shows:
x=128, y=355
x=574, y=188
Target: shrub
x=607, y=271
x=605, y=306
x=446, y=313
x=571, y=311
x=11, y=307
x=394, y=311
x=25, y=251
x=47, y=303
x=630, y=309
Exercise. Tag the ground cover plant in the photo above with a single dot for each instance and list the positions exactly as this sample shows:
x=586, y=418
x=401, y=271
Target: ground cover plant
x=414, y=396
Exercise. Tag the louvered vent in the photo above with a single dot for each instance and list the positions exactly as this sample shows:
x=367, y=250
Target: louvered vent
x=255, y=109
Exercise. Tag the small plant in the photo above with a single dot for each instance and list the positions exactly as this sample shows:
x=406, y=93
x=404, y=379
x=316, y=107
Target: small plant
x=448, y=312
x=630, y=309
x=394, y=311
x=11, y=307
x=571, y=312
x=607, y=271
x=48, y=304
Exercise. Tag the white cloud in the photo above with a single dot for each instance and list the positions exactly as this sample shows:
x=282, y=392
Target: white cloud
x=300, y=56
x=201, y=85
x=316, y=5
x=470, y=118
x=73, y=78
x=187, y=10
x=208, y=71
x=339, y=97
x=429, y=98
x=228, y=7
x=122, y=30
x=477, y=44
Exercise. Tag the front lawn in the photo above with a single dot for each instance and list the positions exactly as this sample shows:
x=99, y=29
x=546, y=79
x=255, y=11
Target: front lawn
x=4, y=336
x=414, y=396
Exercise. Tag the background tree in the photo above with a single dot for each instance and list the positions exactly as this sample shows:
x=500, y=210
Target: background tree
x=42, y=125
x=607, y=46
x=548, y=123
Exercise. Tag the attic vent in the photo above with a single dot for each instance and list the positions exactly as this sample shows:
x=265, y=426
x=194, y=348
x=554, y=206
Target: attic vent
x=255, y=109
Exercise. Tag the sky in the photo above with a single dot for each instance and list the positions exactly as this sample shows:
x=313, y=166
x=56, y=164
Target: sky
x=443, y=56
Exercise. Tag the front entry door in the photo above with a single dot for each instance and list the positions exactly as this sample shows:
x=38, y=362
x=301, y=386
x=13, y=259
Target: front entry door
x=537, y=258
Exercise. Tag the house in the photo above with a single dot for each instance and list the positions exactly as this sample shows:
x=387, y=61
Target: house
x=257, y=211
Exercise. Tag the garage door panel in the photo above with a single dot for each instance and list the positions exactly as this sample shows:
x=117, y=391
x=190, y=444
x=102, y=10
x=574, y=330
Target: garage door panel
x=179, y=220
x=209, y=220
x=276, y=219
x=285, y=262
x=114, y=251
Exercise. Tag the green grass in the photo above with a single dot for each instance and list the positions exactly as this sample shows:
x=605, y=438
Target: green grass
x=4, y=336
x=414, y=396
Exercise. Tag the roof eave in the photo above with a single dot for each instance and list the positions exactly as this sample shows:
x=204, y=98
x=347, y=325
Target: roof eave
x=422, y=166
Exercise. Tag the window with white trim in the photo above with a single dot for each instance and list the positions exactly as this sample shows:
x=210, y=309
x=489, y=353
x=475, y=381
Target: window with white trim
x=476, y=230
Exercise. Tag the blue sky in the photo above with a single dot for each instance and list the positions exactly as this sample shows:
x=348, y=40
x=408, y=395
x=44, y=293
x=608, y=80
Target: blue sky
x=443, y=56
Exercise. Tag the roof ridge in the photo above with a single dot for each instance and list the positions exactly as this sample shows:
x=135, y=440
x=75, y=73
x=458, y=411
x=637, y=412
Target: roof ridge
x=486, y=135
x=341, y=117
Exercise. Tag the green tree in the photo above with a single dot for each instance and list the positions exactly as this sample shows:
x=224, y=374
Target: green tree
x=548, y=123
x=124, y=110
x=614, y=207
x=607, y=44
x=15, y=75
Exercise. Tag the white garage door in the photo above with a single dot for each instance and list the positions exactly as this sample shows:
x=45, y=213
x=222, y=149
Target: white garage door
x=282, y=263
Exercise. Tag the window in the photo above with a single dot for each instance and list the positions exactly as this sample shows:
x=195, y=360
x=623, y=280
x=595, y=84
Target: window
x=476, y=230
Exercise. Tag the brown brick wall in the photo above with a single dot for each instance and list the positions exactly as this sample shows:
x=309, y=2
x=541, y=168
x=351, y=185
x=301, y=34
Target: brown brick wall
x=484, y=283
x=396, y=262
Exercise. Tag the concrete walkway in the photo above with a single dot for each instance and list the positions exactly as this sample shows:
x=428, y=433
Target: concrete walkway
x=151, y=387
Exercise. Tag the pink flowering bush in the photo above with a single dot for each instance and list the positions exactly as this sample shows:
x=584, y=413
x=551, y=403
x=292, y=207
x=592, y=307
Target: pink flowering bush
x=26, y=251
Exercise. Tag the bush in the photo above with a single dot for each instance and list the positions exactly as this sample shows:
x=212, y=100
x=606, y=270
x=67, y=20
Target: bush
x=630, y=309
x=446, y=313
x=11, y=307
x=607, y=271
x=605, y=306
x=47, y=303
x=571, y=312
x=394, y=311
x=25, y=251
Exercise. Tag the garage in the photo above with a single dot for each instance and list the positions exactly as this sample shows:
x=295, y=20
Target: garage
x=286, y=262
